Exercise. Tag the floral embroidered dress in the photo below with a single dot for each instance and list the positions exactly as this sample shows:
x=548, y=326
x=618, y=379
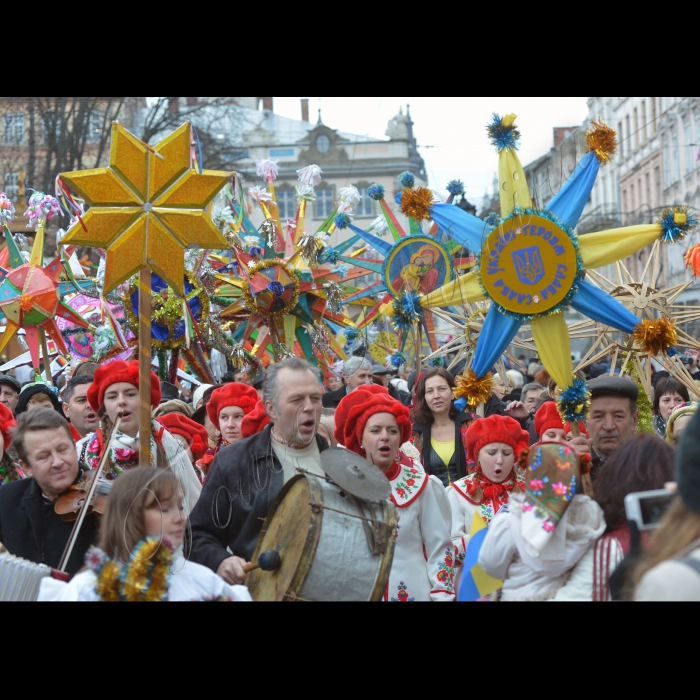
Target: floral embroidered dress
x=477, y=494
x=423, y=565
x=7, y=476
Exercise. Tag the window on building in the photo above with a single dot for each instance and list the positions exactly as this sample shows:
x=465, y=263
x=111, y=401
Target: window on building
x=12, y=186
x=657, y=186
x=628, y=134
x=675, y=156
x=689, y=148
x=94, y=126
x=666, y=147
x=653, y=115
x=14, y=129
x=323, y=143
x=643, y=134
x=625, y=209
x=636, y=128
x=663, y=101
x=366, y=205
x=621, y=139
x=286, y=204
x=633, y=201
x=647, y=190
x=324, y=203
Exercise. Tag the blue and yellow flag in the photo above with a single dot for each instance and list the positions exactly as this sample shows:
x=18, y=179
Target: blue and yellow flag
x=476, y=583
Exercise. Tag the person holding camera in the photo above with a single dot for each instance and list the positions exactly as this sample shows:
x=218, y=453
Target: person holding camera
x=668, y=393
x=670, y=570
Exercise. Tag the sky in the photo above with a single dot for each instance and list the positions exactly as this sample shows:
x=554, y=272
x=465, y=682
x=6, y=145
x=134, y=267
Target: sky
x=451, y=131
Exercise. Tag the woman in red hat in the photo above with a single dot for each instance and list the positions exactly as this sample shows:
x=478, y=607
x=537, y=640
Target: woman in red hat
x=373, y=425
x=494, y=443
x=192, y=436
x=115, y=390
x=9, y=470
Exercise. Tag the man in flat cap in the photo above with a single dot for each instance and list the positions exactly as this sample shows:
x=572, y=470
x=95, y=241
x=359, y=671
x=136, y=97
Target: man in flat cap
x=612, y=419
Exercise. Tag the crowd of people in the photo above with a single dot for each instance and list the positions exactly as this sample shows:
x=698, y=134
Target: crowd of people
x=551, y=498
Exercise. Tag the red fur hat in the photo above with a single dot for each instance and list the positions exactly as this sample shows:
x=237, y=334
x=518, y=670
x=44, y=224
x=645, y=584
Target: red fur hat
x=233, y=394
x=355, y=409
x=195, y=433
x=114, y=373
x=548, y=418
x=504, y=429
x=255, y=421
x=7, y=421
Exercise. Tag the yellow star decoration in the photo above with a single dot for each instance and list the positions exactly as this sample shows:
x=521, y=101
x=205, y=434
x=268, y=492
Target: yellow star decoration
x=147, y=207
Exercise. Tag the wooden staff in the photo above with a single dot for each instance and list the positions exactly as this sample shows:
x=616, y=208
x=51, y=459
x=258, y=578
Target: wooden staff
x=585, y=478
x=45, y=353
x=145, y=366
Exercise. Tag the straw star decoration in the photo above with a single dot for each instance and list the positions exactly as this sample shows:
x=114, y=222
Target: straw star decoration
x=146, y=207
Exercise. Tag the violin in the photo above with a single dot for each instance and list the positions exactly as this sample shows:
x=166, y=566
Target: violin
x=70, y=502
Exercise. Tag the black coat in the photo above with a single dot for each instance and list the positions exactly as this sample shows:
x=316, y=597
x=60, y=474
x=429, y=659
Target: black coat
x=30, y=528
x=242, y=484
x=462, y=420
x=333, y=398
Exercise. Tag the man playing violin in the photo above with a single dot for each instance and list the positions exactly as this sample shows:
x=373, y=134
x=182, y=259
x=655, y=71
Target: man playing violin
x=30, y=528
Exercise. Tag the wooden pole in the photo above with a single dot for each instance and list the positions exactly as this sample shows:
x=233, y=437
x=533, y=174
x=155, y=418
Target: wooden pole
x=46, y=357
x=145, y=366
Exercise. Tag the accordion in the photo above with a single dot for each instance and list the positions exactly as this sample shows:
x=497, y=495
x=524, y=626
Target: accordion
x=20, y=579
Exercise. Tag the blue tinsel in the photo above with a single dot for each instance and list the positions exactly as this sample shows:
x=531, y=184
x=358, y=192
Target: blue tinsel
x=671, y=231
x=376, y=191
x=455, y=187
x=256, y=252
x=407, y=310
x=329, y=255
x=407, y=179
x=342, y=220
x=437, y=362
x=277, y=288
x=576, y=396
x=342, y=271
x=352, y=333
x=502, y=137
x=398, y=359
x=492, y=219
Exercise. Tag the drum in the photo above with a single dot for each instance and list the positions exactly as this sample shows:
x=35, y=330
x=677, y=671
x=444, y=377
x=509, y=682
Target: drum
x=333, y=546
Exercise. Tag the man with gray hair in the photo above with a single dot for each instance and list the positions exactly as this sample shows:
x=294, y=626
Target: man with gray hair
x=246, y=478
x=356, y=372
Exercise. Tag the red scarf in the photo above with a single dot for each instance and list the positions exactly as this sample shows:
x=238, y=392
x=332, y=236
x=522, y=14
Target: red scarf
x=498, y=494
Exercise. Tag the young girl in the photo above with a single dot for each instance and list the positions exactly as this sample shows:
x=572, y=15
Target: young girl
x=115, y=390
x=140, y=556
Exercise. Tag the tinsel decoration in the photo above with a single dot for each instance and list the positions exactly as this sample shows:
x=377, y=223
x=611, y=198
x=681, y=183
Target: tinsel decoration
x=437, y=362
x=329, y=255
x=349, y=198
x=309, y=249
x=692, y=259
x=398, y=359
x=334, y=297
x=342, y=271
x=319, y=338
x=7, y=211
x=162, y=365
x=41, y=206
x=376, y=191
x=196, y=366
x=676, y=224
x=645, y=422
x=268, y=231
x=656, y=336
x=407, y=310
x=108, y=577
x=492, y=219
x=147, y=575
x=311, y=175
x=601, y=140
x=503, y=133
x=380, y=227
x=342, y=220
x=476, y=391
x=455, y=187
x=407, y=180
x=267, y=169
x=305, y=193
x=351, y=333
x=574, y=401
x=416, y=203
x=276, y=288
x=173, y=366
x=281, y=351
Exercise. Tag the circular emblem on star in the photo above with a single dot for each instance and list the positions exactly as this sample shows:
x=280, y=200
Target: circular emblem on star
x=529, y=264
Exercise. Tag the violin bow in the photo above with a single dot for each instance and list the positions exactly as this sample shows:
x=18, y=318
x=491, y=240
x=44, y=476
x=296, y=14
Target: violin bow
x=88, y=499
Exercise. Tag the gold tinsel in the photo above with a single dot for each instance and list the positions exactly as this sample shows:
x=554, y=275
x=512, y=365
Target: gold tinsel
x=657, y=336
x=147, y=576
x=416, y=203
x=249, y=299
x=602, y=140
x=107, y=586
x=475, y=391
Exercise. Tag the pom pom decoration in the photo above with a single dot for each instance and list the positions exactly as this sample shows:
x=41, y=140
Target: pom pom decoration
x=260, y=195
x=476, y=391
x=574, y=401
x=305, y=193
x=656, y=336
x=676, y=224
x=376, y=191
x=455, y=187
x=503, y=133
x=342, y=220
x=41, y=206
x=319, y=338
x=692, y=259
x=7, y=211
x=407, y=310
x=601, y=140
x=276, y=288
x=310, y=175
x=407, y=179
x=380, y=227
x=398, y=359
x=267, y=169
x=437, y=362
x=349, y=198
x=352, y=333
x=282, y=351
x=334, y=297
x=416, y=203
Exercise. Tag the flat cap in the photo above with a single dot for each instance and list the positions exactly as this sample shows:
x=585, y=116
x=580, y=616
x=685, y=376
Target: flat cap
x=10, y=381
x=379, y=370
x=613, y=386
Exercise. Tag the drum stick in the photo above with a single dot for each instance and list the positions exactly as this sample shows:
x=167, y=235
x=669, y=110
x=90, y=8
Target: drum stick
x=267, y=561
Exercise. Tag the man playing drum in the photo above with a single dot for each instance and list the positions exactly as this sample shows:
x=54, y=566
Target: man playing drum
x=246, y=478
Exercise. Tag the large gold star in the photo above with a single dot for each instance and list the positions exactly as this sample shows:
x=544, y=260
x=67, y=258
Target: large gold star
x=146, y=207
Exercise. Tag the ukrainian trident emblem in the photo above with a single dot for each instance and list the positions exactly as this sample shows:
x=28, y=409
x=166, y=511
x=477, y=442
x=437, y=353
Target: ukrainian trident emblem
x=528, y=265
